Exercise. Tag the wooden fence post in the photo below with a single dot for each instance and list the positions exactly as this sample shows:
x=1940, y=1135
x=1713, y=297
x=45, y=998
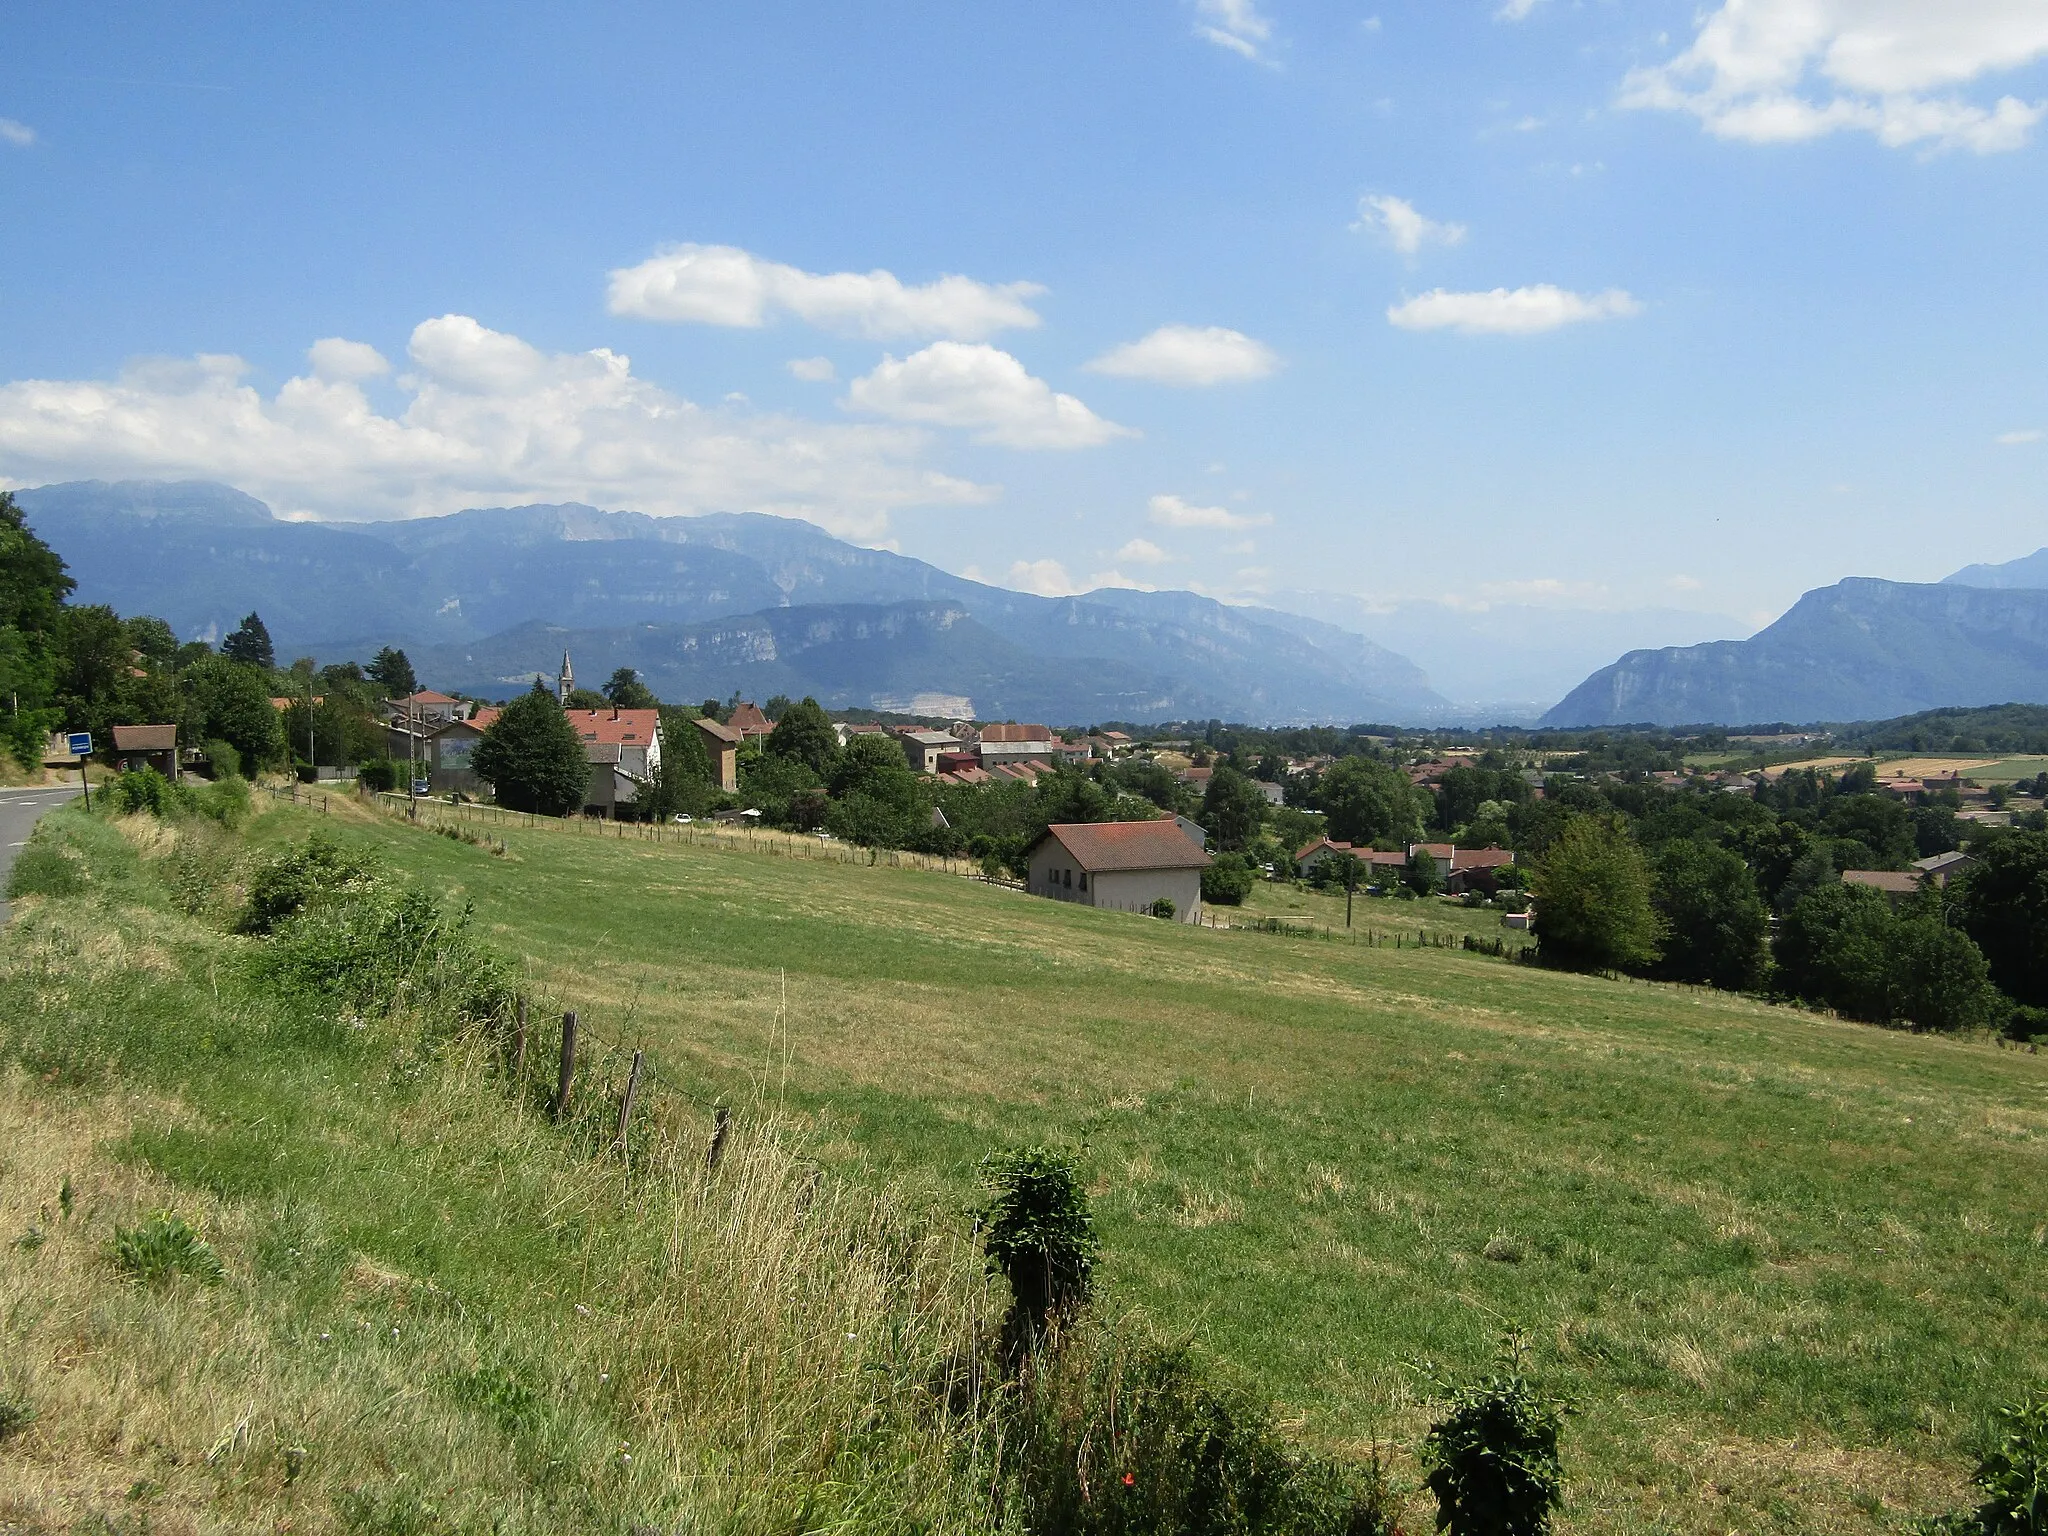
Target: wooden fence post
x=519, y=1042
x=721, y=1121
x=626, y=1099
x=568, y=1071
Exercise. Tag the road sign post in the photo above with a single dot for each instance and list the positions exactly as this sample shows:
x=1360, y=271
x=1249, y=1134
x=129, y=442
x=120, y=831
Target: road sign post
x=80, y=743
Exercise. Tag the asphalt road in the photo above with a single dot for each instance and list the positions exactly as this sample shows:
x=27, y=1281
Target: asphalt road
x=19, y=809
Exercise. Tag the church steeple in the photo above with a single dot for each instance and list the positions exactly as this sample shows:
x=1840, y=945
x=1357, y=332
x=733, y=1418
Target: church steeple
x=566, y=683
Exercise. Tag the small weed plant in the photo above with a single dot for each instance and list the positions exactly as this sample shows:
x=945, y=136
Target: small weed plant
x=2013, y=1476
x=162, y=1248
x=1492, y=1461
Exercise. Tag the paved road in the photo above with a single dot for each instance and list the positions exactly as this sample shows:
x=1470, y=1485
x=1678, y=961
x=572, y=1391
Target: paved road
x=19, y=809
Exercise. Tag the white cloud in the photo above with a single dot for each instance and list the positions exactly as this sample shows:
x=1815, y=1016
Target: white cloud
x=1772, y=71
x=1115, y=578
x=1395, y=221
x=1509, y=311
x=1189, y=355
x=1172, y=512
x=813, y=370
x=2014, y=439
x=1143, y=552
x=1516, y=10
x=984, y=390
x=342, y=361
x=486, y=419
x=724, y=285
x=20, y=135
x=1234, y=24
x=1046, y=578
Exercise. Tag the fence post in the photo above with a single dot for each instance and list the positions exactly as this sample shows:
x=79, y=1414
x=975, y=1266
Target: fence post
x=721, y=1119
x=568, y=1070
x=519, y=1041
x=626, y=1099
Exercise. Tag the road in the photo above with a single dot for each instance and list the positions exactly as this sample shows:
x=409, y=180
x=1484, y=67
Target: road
x=19, y=810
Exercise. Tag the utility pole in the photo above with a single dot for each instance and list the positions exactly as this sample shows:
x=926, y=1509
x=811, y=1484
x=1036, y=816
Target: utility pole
x=312, y=759
x=1350, y=885
x=412, y=757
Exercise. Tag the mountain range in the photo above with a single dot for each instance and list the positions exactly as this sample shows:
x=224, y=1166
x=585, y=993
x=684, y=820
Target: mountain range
x=486, y=599
x=1862, y=649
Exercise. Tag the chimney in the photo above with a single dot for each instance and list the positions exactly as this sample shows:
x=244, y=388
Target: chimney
x=615, y=711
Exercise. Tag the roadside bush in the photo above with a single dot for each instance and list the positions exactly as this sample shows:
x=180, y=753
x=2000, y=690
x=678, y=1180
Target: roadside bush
x=140, y=789
x=1491, y=1461
x=379, y=774
x=1228, y=880
x=223, y=761
x=1118, y=1432
x=376, y=949
x=1038, y=1234
x=225, y=801
x=298, y=876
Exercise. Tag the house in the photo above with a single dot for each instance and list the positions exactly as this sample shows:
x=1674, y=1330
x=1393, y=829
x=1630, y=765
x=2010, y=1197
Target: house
x=1197, y=778
x=721, y=751
x=1076, y=751
x=1476, y=869
x=1942, y=865
x=1444, y=854
x=1895, y=883
x=1028, y=770
x=1276, y=794
x=748, y=720
x=925, y=748
x=439, y=751
x=1109, y=743
x=1018, y=744
x=621, y=744
x=147, y=746
x=1198, y=835
x=846, y=731
x=1312, y=855
x=1125, y=865
x=1374, y=859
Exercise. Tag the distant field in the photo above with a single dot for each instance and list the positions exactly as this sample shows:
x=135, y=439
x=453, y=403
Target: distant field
x=1782, y=1264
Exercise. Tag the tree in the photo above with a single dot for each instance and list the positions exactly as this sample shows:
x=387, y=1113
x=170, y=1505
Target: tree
x=231, y=703
x=391, y=670
x=1592, y=893
x=1233, y=810
x=1847, y=948
x=1421, y=874
x=532, y=757
x=1228, y=880
x=626, y=691
x=1368, y=802
x=804, y=733
x=585, y=698
x=2003, y=902
x=874, y=794
x=1714, y=921
x=250, y=644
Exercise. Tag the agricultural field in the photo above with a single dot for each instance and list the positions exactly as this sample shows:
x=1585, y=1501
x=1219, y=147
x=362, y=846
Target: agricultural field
x=1783, y=1266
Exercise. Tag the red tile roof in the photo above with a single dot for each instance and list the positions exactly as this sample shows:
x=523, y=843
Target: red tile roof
x=1104, y=846
x=748, y=720
x=485, y=717
x=426, y=696
x=1893, y=882
x=718, y=731
x=1016, y=733
x=633, y=727
x=1481, y=858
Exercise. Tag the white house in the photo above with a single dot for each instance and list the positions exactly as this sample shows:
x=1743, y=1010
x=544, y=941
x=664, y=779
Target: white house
x=1126, y=865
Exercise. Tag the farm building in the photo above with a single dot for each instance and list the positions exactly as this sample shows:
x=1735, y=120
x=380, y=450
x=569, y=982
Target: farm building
x=1126, y=865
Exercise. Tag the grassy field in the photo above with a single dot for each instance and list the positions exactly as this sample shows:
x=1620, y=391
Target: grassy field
x=1783, y=1265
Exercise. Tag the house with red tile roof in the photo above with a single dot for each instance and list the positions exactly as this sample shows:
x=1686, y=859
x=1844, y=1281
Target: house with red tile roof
x=1124, y=865
x=1002, y=744
x=748, y=720
x=721, y=750
x=624, y=747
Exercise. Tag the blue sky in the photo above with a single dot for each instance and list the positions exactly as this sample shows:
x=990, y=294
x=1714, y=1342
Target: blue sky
x=1223, y=310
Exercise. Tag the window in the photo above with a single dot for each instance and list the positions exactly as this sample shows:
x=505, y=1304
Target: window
x=1084, y=879
x=1066, y=877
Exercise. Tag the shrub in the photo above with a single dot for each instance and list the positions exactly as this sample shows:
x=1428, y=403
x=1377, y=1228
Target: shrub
x=1163, y=907
x=140, y=789
x=1491, y=1461
x=380, y=773
x=298, y=876
x=16, y=1414
x=163, y=1247
x=44, y=869
x=1120, y=1432
x=1227, y=880
x=2014, y=1473
x=373, y=949
x=1039, y=1236
x=222, y=760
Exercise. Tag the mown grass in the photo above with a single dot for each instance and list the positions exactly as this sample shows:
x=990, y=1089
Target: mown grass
x=1784, y=1265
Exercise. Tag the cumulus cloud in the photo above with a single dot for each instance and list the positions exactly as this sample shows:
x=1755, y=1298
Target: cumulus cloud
x=1509, y=311
x=333, y=357
x=1173, y=512
x=20, y=135
x=1516, y=10
x=1234, y=24
x=1046, y=578
x=724, y=285
x=981, y=389
x=2015, y=439
x=1395, y=221
x=1142, y=552
x=1189, y=355
x=486, y=418
x=1772, y=71
x=813, y=370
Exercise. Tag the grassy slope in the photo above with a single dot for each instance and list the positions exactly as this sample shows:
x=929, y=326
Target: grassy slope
x=438, y=1314
x=1783, y=1263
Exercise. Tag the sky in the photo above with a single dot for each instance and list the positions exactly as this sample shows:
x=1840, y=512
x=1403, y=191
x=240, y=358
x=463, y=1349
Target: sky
x=1579, y=303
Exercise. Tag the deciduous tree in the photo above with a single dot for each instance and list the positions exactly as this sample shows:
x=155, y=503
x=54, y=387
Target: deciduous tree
x=1592, y=892
x=532, y=757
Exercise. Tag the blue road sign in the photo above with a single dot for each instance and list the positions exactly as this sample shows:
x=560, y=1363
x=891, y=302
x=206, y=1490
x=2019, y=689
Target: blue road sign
x=80, y=743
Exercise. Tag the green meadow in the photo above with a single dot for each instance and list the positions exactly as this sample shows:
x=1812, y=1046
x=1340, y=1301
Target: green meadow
x=1782, y=1266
